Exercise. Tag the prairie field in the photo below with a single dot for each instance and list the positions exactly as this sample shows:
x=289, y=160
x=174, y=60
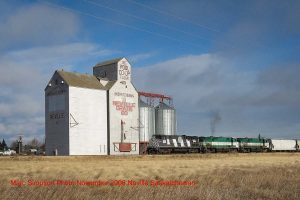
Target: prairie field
x=213, y=176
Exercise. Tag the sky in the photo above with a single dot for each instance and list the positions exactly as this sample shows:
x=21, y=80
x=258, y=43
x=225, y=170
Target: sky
x=232, y=67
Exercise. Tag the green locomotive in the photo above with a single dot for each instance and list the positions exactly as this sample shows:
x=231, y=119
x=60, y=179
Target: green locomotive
x=253, y=144
x=218, y=144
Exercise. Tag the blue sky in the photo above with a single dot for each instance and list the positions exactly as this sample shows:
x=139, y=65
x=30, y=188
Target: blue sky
x=238, y=60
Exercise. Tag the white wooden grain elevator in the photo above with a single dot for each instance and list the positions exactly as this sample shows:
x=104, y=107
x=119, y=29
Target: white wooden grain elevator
x=92, y=114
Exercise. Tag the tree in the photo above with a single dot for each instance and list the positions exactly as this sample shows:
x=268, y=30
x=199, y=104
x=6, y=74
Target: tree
x=4, y=145
x=42, y=147
x=34, y=143
x=14, y=145
x=1, y=146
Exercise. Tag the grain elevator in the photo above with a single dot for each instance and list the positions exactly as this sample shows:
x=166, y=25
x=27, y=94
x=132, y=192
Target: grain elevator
x=100, y=114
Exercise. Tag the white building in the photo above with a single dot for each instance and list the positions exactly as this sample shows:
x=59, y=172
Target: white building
x=92, y=114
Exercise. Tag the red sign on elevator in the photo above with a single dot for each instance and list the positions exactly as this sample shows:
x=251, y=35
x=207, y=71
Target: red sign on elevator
x=124, y=107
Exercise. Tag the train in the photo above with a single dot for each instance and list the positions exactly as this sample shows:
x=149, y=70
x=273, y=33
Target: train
x=168, y=144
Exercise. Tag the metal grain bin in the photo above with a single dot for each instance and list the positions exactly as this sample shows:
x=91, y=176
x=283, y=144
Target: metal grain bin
x=165, y=120
x=147, y=121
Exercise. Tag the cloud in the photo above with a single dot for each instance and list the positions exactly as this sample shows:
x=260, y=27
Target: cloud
x=142, y=56
x=35, y=41
x=23, y=77
x=251, y=99
x=193, y=74
x=37, y=25
x=250, y=102
x=59, y=52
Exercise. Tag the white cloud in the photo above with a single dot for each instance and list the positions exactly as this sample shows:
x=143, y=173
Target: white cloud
x=62, y=52
x=248, y=103
x=142, y=56
x=35, y=41
x=23, y=77
x=198, y=76
x=37, y=25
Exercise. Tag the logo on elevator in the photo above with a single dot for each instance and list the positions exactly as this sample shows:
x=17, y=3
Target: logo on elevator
x=124, y=107
x=124, y=71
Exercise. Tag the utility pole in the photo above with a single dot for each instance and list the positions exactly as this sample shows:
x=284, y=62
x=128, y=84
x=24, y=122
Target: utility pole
x=20, y=144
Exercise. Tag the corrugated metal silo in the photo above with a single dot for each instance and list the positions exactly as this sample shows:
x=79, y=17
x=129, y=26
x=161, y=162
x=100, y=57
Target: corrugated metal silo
x=165, y=120
x=147, y=121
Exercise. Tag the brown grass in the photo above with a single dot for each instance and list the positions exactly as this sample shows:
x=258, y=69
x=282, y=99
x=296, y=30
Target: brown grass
x=218, y=176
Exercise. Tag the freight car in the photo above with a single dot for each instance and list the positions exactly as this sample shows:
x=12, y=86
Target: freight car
x=166, y=144
x=284, y=145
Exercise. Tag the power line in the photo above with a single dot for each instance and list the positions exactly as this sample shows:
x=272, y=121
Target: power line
x=157, y=23
x=118, y=23
x=183, y=19
x=146, y=20
x=172, y=15
x=129, y=26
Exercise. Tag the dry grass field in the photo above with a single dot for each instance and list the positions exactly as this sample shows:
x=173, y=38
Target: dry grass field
x=216, y=176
